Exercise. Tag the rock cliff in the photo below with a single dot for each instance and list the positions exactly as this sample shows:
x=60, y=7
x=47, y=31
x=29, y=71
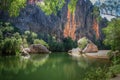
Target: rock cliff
x=63, y=24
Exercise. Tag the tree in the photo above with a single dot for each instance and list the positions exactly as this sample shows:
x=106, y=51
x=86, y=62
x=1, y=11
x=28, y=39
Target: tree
x=69, y=43
x=30, y=36
x=112, y=32
x=10, y=40
x=12, y=6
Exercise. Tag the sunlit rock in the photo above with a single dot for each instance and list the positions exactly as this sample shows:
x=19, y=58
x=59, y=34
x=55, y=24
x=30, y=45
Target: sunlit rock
x=75, y=52
x=91, y=47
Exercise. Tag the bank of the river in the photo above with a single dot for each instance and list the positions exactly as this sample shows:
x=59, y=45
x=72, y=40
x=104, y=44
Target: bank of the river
x=101, y=54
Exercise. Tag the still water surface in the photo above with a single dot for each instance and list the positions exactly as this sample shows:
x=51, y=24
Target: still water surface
x=47, y=67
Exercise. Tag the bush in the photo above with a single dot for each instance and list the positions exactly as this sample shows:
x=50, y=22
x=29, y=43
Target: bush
x=68, y=43
x=10, y=40
x=97, y=74
x=40, y=41
x=11, y=46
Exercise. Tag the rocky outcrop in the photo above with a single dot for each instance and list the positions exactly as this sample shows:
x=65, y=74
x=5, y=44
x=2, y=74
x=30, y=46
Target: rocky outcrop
x=34, y=48
x=38, y=48
x=87, y=47
x=91, y=47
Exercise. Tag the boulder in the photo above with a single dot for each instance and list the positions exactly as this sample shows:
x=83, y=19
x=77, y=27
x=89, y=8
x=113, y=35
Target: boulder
x=75, y=52
x=38, y=48
x=91, y=47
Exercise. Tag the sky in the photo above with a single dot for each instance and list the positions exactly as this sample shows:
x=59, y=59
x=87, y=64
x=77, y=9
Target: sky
x=93, y=1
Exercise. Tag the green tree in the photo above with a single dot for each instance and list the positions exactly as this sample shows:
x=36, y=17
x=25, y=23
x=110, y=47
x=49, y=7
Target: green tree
x=69, y=43
x=30, y=36
x=51, y=6
x=12, y=6
x=112, y=32
x=10, y=40
x=72, y=5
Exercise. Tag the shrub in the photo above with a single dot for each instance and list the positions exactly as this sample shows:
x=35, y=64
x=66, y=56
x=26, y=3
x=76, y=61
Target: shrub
x=40, y=41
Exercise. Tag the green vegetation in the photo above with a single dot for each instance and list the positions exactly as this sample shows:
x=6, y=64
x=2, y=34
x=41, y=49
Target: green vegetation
x=72, y=5
x=40, y=41
x=112, y=39
x=10, y=40
x=51, y=6
x=12, y=6
x=82, y=42
x=96, y=13
x=63, y=46
x=112, y=32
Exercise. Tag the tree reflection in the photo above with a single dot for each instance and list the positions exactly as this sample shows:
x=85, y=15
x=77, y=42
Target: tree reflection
x=14, y=65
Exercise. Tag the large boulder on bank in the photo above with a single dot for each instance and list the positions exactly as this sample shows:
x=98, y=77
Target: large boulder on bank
x=87, y=45
x=91, y=47
x=38, y=48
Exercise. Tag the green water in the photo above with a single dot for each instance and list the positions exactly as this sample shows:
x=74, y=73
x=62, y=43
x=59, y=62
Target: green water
x=47, y=67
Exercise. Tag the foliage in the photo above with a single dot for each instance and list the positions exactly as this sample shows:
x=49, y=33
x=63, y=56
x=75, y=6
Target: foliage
x=112, y=32
x=97, y=74
x=40, y=41
x=69, y=43
x=54, y=45
x=115, y=69
x=12, y=6
x=30, y=36
x=51, y=6
x=48, y=6
x=96, y=13
x=9, y=40
x=82, y=43
x=72, y=5
x=11, y=46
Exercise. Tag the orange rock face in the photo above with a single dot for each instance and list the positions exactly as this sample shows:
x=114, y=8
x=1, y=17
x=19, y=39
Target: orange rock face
x=70, y=27
x=96, y=28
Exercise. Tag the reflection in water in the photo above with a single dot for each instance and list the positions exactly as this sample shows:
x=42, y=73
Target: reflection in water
x=46, y=67
x=10, y=66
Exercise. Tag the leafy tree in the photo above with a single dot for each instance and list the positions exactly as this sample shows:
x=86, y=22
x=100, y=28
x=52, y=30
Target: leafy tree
x=10, y=40
x=82, y=42
x=51, y=6
x=112, y=32
x=30, y=36
x=69, y=43
x=72, y=5
x=12, y=6
x=11, y=46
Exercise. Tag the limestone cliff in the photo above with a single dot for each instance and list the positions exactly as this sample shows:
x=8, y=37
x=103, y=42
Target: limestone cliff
x=63, y=24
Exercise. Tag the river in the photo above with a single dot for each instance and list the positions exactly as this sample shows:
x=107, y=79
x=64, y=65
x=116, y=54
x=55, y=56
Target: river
x=59, y=66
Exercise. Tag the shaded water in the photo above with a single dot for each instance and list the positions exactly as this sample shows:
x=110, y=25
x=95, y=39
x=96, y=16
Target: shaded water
x=47, y=67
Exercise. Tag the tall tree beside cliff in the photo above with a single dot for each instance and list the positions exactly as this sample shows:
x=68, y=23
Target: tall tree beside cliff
x=112, y=32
